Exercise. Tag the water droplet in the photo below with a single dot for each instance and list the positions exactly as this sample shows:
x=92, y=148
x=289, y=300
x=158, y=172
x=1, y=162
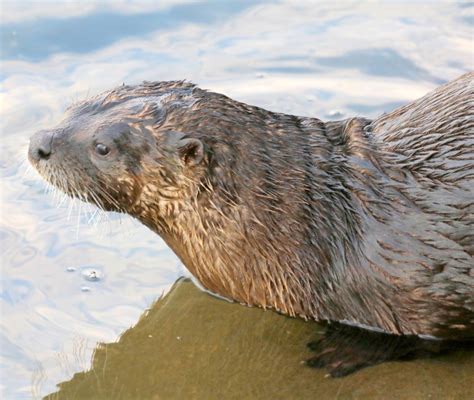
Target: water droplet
x=85, y=289
x=70, y=269
x=91, y=274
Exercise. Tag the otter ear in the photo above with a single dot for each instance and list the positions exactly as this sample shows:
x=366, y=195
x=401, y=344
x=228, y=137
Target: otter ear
x=191, y=151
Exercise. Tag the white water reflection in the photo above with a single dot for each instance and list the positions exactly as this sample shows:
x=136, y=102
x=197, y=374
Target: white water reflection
x=309, y=58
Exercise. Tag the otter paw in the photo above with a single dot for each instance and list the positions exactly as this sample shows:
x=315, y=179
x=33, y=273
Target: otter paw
x=336, y=360
x=345, y=349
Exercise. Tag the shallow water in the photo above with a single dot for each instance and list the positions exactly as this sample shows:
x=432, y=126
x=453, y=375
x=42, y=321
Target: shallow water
x=190, y=345
x=316, y=59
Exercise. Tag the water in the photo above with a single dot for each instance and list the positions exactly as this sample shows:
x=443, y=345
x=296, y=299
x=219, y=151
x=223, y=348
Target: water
x=190, y=345
x=68, y=283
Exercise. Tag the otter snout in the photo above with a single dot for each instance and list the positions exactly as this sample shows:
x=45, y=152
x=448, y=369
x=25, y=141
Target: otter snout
x=40, y=146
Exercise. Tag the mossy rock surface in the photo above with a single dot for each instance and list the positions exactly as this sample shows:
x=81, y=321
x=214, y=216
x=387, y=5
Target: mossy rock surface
x=191, y=345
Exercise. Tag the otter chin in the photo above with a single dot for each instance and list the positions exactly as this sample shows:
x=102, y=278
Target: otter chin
x=365, y=224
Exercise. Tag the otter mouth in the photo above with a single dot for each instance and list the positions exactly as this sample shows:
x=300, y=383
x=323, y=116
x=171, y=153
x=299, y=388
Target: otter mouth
x=72, y=183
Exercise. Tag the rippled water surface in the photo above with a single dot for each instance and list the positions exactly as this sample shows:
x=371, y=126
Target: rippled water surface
x=71, y=278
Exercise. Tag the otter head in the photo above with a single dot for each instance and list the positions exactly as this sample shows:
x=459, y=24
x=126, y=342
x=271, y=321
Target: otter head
x=118, y=152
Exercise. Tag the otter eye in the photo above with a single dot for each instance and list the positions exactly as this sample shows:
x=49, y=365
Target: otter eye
x=101, y=149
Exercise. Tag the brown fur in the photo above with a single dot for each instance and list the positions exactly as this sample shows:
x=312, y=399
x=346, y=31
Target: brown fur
x=366, y=222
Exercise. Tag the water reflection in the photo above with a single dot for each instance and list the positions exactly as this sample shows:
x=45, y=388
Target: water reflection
x=327, y=59
x=192, y=345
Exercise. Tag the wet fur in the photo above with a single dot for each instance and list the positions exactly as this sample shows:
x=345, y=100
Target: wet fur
x=369, y=223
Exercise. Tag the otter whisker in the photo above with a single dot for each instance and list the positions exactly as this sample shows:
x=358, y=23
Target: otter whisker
x=79, y=214
x=98, y=217
x=56, y=195
x=96, y=200
x=74, y=202
x=48, y=188
x=70, y=207
x=98, y=210
x=111, y=199
x=111, y=188
x=27, y=170
x=106, y=221
x=93, y=216
x=62, y=200
x=108, y=197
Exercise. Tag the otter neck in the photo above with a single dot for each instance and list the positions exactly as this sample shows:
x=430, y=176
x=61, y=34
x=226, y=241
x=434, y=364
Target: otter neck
x=273, y=242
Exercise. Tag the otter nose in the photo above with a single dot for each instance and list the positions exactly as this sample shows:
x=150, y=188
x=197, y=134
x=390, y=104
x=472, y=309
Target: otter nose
x=40, y=146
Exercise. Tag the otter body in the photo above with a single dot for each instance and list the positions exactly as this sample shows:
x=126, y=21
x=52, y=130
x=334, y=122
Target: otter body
x=369, y=223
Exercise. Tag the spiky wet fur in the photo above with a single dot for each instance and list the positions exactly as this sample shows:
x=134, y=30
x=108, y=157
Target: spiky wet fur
x=366, y=222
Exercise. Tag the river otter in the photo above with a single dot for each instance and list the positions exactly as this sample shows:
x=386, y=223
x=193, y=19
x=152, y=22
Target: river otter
x=364, y=223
